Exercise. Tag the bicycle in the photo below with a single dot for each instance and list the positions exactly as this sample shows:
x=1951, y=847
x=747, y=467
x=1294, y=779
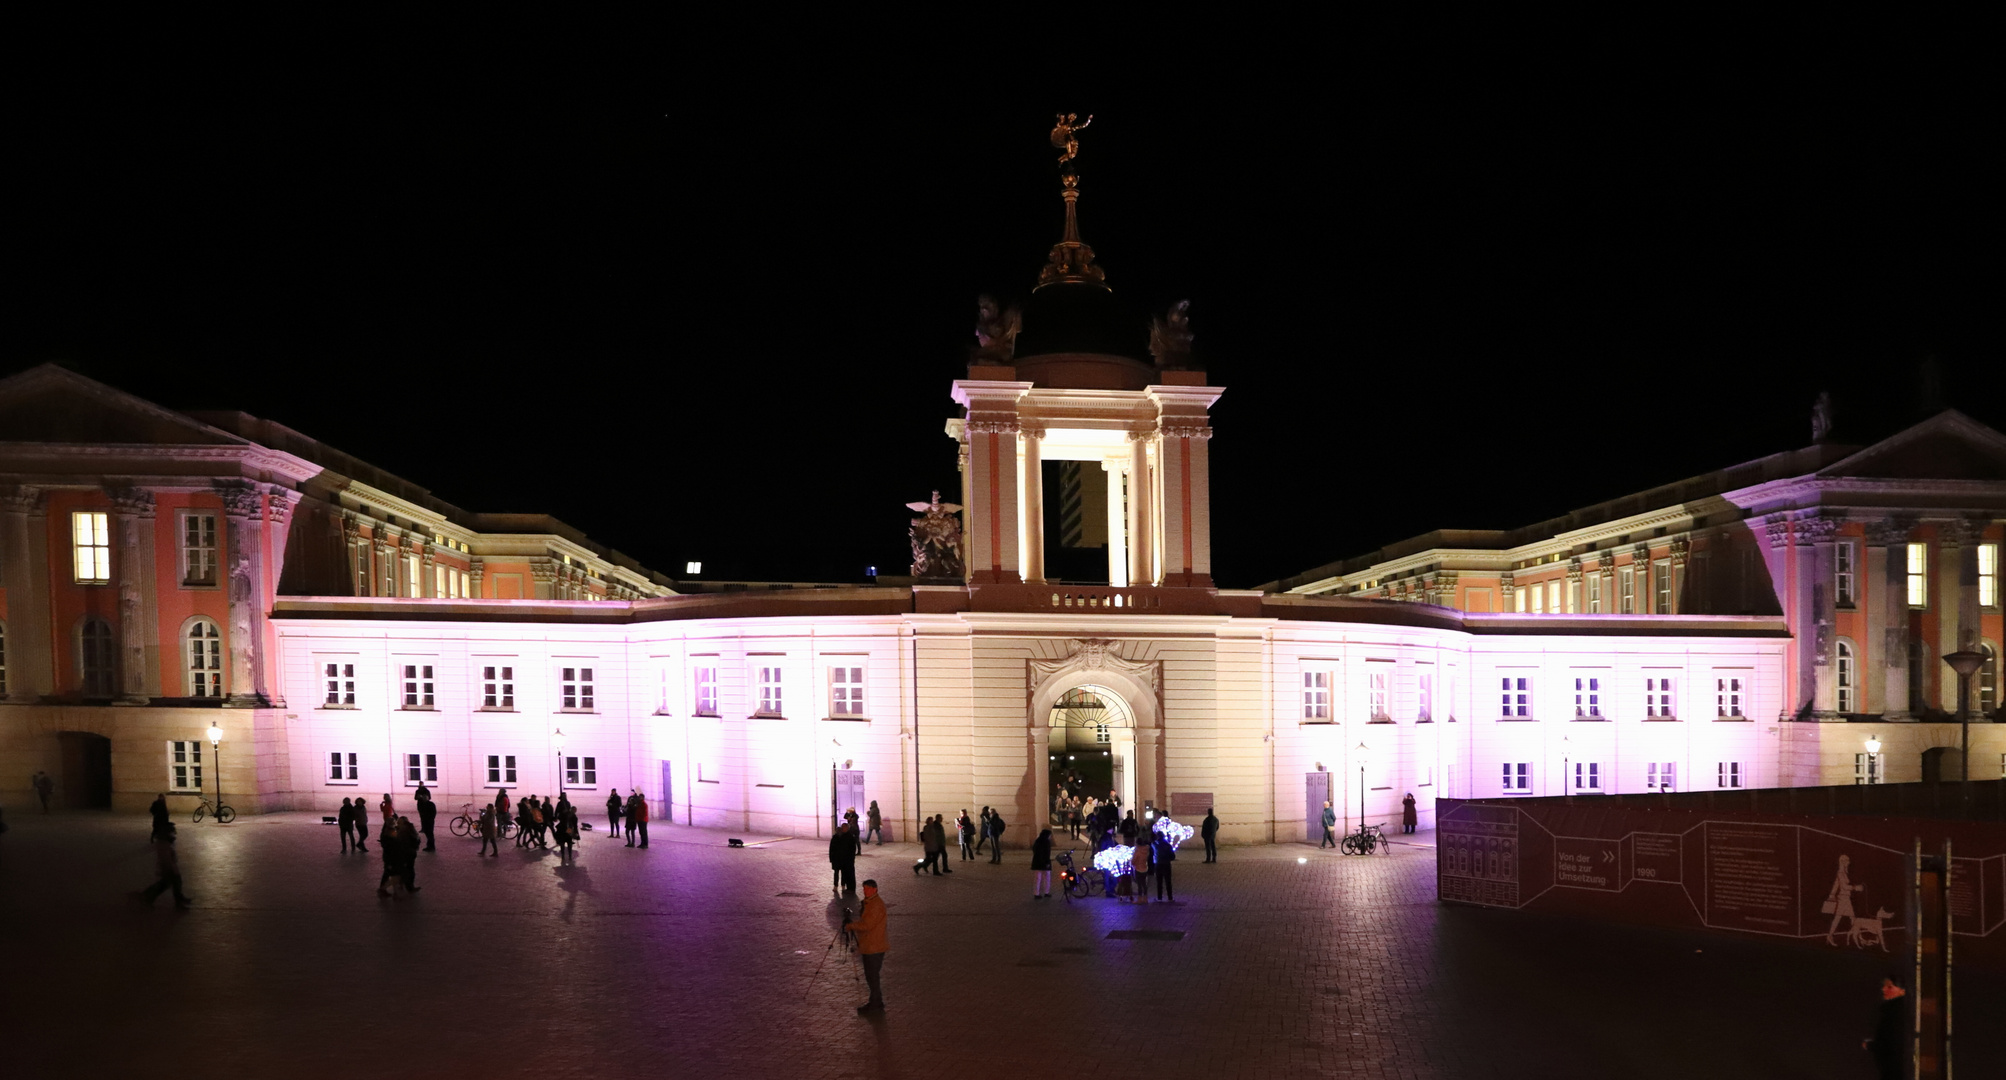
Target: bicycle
x=224, y=812
x=1367, y=839
x=1079, y=884
x=468, y=823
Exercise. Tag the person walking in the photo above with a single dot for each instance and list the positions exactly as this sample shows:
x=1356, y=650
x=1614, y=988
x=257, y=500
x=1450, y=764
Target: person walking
x=567, y=830
x=1329, y=824
x=389, y=810
x=488, y=830
x=966, y=830
x=982, y=836
x=361, y=809
x=159, y=811
x=428, y=812
x=871, y=945
x=1163, y=859
x=346, y=819
x=929, y=848
x=843, y=860
x=1408, y=817
x=168, y=864
x=44, y=786
x=522, y=833
x=1041, y=866
x=877, y=823
x=1890, y=1042
x=613, y=804
x=538, y=821
x=995, y=838
x=1209, y=828
x=638, y=811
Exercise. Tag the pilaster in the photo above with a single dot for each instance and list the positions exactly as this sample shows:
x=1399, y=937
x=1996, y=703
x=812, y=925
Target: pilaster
x=1117, y=520
x=1146, y=740
x=24, y=567
x=993, y=506
x=132, y=516
x=1889, y=537
x=1041, y=777
x=1956, y=589
x=243, y=511
x=1815, y=642
x=1033, y=525
x=1141, y=522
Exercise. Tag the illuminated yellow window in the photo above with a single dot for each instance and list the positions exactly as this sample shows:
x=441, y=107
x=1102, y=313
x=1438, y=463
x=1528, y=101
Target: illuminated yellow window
x=1988, y=575
x=1918, y=575
x=93, y=546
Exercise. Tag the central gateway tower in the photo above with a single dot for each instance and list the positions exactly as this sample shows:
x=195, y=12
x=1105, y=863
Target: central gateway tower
x=1078, y=394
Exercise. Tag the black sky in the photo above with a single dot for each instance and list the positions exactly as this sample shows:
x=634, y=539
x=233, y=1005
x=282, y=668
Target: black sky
x=705, y=303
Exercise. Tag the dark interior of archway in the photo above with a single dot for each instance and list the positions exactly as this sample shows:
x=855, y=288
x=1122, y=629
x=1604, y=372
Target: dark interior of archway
x=1075, y=522
x=86, y=771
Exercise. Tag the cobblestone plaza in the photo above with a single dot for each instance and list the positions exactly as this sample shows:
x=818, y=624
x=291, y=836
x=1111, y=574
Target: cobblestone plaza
x=692, y=958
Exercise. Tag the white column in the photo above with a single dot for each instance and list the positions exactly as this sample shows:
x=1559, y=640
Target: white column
x=24, y=547
x=132, y=510
x=1117, y=523
x=242, y=510
x=1141, y=522
x=1032, y=527
x=1041, y=778
x=1145, y=768
x=1895, y=666
x=1873, y=665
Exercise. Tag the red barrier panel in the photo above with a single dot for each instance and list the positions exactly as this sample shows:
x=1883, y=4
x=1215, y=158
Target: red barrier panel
x=1832, y=882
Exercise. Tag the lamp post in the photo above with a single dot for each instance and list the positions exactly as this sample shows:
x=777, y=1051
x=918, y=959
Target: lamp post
x=1873, y=760
x=216, y=755
x=1965, y=662
x=1564, y=791
x=1361, y=785
x=557, y=740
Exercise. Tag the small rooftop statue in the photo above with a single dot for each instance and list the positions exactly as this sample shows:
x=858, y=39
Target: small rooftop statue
x=1170, y=337
x=1821, y=417
x=995, y=334
x=1065, y=135
x=936, y=542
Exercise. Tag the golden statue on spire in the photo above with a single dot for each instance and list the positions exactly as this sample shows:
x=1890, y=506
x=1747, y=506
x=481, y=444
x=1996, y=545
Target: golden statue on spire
x=1065, y=135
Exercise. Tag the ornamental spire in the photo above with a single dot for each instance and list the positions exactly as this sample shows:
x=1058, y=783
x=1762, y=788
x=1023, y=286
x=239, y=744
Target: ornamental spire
x=1071, y=261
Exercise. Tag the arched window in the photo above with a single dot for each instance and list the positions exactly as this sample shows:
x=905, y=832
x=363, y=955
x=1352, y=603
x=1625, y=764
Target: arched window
x=202, y=658
x=1848, y=677
x=97, y=659
x=1988, y=678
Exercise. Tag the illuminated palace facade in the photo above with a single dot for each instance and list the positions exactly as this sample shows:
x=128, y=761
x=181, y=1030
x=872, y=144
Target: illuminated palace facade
x=352, y=634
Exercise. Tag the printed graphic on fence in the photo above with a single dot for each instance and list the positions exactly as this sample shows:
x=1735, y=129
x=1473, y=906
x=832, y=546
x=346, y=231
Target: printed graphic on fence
x=1760, y=877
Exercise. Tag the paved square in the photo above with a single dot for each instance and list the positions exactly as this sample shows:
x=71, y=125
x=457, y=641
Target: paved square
x=694, y=959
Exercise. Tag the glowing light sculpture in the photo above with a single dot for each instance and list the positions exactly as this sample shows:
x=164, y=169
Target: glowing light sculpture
x=1172, y=831
x=1118, y=861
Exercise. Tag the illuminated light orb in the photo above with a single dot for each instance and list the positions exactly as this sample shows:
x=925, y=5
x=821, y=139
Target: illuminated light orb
x=1172, y=831
x=1300, y=860
x=1118, y=861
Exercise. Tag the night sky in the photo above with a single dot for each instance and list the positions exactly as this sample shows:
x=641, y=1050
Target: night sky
x=707, y=305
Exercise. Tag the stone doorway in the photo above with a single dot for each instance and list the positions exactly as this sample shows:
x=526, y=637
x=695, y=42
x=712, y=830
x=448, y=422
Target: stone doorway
x=84, y=782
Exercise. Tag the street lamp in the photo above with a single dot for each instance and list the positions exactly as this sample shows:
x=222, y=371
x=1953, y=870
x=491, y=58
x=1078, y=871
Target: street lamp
x=1873, y=759
x=1564, y=789
x=1361, y=785
x=1966, y=663
x=216, y=755
x=557, y=740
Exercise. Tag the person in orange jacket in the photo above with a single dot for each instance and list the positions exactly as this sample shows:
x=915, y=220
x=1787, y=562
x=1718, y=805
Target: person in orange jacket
x=637, y=817
x=870, y=930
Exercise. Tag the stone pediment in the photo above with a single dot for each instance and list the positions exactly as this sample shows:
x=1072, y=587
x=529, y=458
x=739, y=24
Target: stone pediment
x=1948, y=446
x=48, y=404
x=1089, y=655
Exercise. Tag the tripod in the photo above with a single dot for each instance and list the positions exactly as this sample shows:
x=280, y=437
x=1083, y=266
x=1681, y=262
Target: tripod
x=849, y=946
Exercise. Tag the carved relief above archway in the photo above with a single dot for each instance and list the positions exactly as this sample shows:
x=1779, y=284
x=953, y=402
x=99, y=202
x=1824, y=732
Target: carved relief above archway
x=1094, y=660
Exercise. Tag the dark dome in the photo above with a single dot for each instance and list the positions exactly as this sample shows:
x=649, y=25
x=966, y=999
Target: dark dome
x=1080, y=318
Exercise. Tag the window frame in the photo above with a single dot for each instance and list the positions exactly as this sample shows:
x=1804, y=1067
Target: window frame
x=1662, y=776
x=1589, y=709
x=331, y=774
x=1915, y=569
x=1845, y=677
x=188, y=553
x=1378, y=695
x=1526, y=702
x=1316, y=705
x=1727, y=774
x=581, y=765
x=770, y=681
x=704, y=698
x=193, y=760
x=331, y=681
x=426, y=765
x=1588, y=776
x=578, y=687
x=1845, y=575
x=193, y=673
x=417, y=684
x=1661, y=701
x=1988, y=576
x=96, y=658
x=1523, y=778
x=1730, y=699
x=1661, y=587
x=846, y=692
x=500, y=770
x=1594, y=590
x=1424, y=697
x=497, y=686
x=1626, y=590
x=97, y=523
x=1870, y=769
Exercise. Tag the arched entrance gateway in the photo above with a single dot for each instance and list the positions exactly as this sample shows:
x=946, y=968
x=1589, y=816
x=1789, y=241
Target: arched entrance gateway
x=1091, y=740
x=1094, y=715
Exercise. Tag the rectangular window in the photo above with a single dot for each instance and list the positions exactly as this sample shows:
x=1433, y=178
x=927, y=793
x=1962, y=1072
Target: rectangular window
x=1535, y=599
x=581, y=771
x=1729, y=774
x=1518, y=776
x=418, y=686
x=1843, y=574
x=1844, y=666
x=388, y=563
x=1594, y=584
x=341, y=768
x=1866, y=768
x=421, y=768
x=1588, y=776
x=1988, y=575
x=1316, y=694
x=1103, y=734
x=362, y=568
x=1727, y=698
x=1553, y=596
x=439, y=580
x=92, y=533
x=1424, y=697
x=664, y=688
x=1626, y=584
x=1518, y=599
x=1379, y=708
x=340, y=681
x=1658, y=698
x=501, y=770
x=413, y=582
x=704, y=681
x=1516, y=700
x=575, y=688
x=1588, y=698
x=1661, y=588
x=1661, y=776
x=198, y=549
x=184, y=766
x=770, y=702
x=498, y=688
x=846, y=692
x=1918, y=575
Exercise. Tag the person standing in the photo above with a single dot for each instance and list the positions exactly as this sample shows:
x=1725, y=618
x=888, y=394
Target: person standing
x=1329, y=824
x=965, y=829
x=168, y=863
x=995, y=838
x=1129, y=829
x=856, y=827
x=1408, y=817
x=361, y=809
x=929, y=849
x=982, y=836
x=1041, y=866
x=389, y=810
x=428, y=812
x=627, y=814
x=159, y=811
x=639, y=812
x=871, y=945
x=1209, y=828
x=44, y=787
x=877, y=822
x=567, y=830
x=1140, y=863
x=346, y=819
x=1162, y=859
x=1890, y=1044
x=488, y=829
x=843, y=860
x=613, y=815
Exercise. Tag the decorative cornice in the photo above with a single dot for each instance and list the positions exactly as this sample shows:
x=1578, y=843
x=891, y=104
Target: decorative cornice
x=24, y=499
x=279, y=508
x=1816, y=528
x=1031, y=429
x=1185, y=429
x=1777, y=528
x=1574, y=571
x=1681, y=550
x=1958, y=532
x=240, y=499
x=130, y=500
x=985, y=426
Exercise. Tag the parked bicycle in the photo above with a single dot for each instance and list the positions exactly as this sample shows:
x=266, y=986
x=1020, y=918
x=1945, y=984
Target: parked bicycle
x=468, y=823
x=223, y=811
x=1366, y=840
x=1079, y=883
